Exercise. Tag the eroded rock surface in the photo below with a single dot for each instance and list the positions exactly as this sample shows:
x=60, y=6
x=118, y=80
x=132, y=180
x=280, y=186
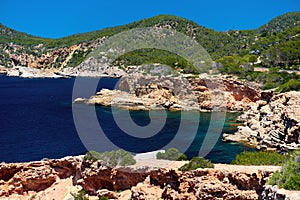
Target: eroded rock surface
x=21, y=178
x=202, y=184
x=272, y=124
x=146, y=92
x=63, y=178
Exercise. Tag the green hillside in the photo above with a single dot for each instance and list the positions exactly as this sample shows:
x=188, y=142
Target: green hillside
x=276, y=43
x=280, y=24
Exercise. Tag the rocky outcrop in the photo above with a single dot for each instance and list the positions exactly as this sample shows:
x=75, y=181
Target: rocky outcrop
x=42, y=56
x=147, y=92
x=271, y=124
x=20, y=178
x=95, y=177
x=237, y=95
x=69, y=175
x=35, y=176
x=202, y=184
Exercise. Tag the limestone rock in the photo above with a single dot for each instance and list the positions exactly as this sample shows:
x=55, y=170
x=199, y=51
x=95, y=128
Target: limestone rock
x=27, y=72
x=272, y=124
x=147, y=92
x=201, y=184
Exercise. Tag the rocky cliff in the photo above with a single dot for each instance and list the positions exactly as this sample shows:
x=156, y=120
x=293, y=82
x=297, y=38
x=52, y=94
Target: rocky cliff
x=42, y=56
x=147, y=92
x=271, y=124
x=63, y=178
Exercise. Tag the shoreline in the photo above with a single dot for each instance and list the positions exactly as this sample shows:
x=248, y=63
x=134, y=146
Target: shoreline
x=175, y=94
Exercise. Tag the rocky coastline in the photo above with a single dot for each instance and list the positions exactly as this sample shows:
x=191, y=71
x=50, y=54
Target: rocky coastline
x=64, y=178
x=271, y=120
x=147, y=92
x=271, y=124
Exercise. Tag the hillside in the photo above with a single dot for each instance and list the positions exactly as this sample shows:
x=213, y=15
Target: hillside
x=280, y=24
x=276, y=44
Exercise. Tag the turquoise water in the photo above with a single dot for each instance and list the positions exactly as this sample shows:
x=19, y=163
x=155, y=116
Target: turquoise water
x=37, y=122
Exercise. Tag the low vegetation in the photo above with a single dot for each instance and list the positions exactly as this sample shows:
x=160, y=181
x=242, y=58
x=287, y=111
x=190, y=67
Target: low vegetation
x=195, y=163
x=259, y=158
x=111, y=158
x=274, y=78
x=292, y=84
x=171, y=154
x=81, y=195
x=148, y=56
x=289, y=176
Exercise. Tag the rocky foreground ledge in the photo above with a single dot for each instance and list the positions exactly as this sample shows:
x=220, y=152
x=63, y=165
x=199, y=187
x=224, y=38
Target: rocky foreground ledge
x=271, y=124
x=63, y=178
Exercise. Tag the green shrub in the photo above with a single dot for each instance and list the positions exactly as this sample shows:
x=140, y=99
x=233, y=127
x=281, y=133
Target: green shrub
x=292, y=84
x=92, y=155
x=289, y=176
x=195, y=163
x=112, y=158
x=81, y=195
x=182, y=157
x=171, y=154
x=259, y=158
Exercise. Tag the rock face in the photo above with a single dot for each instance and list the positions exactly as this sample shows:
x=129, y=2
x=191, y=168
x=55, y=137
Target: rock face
x=272, y=124
x=96, y=177
x=41, y=56
x=136, y=182
x=20, y=178
x=201, y=184
x=146, y=92
x=237, y=95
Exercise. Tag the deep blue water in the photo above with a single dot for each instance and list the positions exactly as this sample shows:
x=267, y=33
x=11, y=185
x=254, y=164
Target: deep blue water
x=37, y=122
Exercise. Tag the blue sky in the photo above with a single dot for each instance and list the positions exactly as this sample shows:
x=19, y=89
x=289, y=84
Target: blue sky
x=58, y=18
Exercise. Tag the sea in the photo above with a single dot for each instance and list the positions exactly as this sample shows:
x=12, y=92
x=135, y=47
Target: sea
x=37, y=121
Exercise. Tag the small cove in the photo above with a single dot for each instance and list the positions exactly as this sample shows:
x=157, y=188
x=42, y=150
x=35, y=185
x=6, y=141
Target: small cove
x=37, y=122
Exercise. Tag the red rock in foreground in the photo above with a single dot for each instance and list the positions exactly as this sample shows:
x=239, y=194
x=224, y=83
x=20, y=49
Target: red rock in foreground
x=62, y=178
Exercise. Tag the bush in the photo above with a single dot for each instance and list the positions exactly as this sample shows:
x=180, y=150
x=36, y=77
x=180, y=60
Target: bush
x=171, y=154
x=195, y=163
x=81, y=195
x=259, y=158
x=112, y=158
x=289, y=176
x=292, y=84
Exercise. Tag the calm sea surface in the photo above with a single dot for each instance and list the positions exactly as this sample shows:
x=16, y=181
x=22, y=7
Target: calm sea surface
x=36, y=122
